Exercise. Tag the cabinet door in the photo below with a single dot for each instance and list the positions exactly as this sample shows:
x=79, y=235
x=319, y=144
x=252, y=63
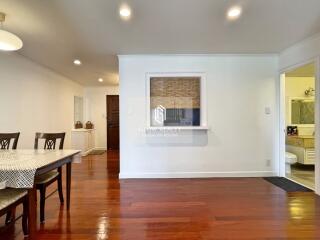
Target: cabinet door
x=79, y=141
x=309, y=156
x=90, y=140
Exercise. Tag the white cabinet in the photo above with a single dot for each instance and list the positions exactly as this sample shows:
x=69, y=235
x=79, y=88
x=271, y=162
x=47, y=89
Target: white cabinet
x=304, y=155
x=83, y=139
x=302, y=147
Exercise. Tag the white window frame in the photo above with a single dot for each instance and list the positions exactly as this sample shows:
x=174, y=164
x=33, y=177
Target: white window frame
x=203, y=98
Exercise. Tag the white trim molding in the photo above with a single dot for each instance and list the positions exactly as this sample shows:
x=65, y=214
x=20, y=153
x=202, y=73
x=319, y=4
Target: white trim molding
x=100, y=148
x=282, y=117
x=317, y=124
x=198, y=174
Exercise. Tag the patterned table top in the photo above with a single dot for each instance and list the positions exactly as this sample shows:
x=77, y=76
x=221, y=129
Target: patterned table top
x=18, y=167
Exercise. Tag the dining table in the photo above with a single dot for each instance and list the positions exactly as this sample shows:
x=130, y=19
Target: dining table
x=18, y=169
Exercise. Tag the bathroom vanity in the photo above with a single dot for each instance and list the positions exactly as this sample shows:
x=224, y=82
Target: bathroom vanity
x=302, y=147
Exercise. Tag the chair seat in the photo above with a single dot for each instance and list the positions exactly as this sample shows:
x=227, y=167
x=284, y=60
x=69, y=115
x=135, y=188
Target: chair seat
x=46, y=177
x=9, y=196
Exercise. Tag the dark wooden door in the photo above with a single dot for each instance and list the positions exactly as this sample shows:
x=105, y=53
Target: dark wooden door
x=113, y=122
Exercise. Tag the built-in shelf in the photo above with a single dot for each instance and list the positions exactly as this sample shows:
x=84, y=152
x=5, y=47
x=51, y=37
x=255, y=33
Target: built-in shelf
x=81, y=130
x=178, y=128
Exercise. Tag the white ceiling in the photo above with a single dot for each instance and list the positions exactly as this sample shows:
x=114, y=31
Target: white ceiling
x=57, y=31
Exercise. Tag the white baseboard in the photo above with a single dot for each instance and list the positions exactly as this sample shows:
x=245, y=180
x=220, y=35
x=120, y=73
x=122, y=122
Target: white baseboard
x=83, y=154
x=198, y=174
x=100, y=148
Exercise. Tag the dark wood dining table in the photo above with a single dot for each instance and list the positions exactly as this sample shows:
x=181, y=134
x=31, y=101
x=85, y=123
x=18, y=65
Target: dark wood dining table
x=18, y=168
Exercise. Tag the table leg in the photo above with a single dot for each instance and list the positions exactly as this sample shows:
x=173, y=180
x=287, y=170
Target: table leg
x=68, y=184
x=32, y=214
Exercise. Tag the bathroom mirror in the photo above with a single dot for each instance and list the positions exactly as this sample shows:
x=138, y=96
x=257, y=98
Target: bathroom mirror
x=302, y=111
x=78, y=109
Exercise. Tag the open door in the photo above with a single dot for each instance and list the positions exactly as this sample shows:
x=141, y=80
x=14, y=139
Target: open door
x=299, y=122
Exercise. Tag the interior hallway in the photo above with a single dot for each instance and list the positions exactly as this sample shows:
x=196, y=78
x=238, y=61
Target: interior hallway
x=102, y=207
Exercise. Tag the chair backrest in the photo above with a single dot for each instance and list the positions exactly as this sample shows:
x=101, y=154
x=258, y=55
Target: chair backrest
x=5, y=140
x=50, y=140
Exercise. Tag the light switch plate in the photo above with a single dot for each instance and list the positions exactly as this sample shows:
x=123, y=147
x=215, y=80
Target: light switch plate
x=267, y=110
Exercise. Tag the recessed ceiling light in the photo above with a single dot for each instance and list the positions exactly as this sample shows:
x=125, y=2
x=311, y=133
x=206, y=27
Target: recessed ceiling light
x=125, y=12
x=100, y=79
x=234, y=12
x=77, y=62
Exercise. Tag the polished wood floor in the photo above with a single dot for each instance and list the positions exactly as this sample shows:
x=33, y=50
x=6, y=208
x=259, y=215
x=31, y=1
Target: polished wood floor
x=303, y=174
x=186, y=209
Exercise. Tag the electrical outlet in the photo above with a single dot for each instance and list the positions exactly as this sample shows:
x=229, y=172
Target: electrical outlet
x=268, y=162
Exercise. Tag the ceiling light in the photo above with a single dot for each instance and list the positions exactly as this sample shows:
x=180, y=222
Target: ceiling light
x=8, y=41
x=77, y=62
x=234, y=12
x=100, y=80
x=125, y=12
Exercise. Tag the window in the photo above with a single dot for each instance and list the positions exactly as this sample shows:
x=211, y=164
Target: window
x=176, y=100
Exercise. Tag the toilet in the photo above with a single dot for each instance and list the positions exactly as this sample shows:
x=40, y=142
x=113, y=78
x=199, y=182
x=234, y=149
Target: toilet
x=290, y=159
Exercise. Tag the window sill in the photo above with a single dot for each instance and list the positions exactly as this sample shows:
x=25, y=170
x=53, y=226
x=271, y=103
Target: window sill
x=203, y=128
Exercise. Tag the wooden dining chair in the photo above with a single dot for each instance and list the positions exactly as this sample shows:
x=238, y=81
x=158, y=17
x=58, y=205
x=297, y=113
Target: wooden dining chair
x=44, y=180
x=10, y=198
x=5, y=142
x=6, y=138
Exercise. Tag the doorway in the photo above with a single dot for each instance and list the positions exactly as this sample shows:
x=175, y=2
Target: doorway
x=298, y=114
x=112, y=122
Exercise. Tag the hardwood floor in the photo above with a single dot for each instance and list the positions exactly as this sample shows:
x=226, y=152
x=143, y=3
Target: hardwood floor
x=303, y=174
x=102, y=207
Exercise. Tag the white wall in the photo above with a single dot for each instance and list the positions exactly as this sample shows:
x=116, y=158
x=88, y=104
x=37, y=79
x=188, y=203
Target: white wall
x=242, y=139
x=34, y=98
x=95, y=98
x=295, y=87
x=300, y=53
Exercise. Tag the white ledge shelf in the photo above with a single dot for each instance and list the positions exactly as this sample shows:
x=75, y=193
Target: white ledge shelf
x=81, y=130
x=178, y=128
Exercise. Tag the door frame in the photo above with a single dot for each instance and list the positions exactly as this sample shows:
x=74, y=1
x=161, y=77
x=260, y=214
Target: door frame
x=282, y=119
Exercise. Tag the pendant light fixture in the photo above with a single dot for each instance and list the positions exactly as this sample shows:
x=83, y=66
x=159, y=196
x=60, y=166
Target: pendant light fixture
x=8, y=41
